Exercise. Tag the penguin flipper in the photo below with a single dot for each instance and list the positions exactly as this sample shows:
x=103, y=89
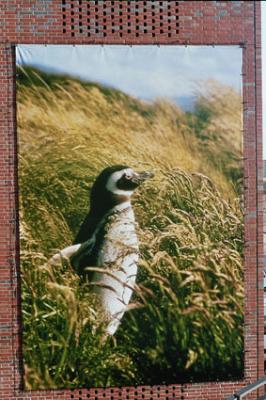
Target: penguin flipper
x=64, y=254
x=81, y=254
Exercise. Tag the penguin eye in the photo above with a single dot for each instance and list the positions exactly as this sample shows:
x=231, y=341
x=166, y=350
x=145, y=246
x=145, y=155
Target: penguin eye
x=127, y=176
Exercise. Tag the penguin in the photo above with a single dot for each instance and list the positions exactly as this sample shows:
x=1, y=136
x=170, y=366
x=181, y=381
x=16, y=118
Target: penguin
x=106, y=248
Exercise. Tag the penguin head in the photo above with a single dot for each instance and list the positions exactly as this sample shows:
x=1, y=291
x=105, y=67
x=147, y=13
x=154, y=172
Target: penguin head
x=124, y=180
x=116, y=184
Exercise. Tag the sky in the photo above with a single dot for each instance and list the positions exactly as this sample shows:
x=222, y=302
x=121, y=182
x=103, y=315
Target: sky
x=146, y=72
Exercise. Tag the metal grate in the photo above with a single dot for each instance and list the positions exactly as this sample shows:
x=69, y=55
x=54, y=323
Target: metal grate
x=120, y=19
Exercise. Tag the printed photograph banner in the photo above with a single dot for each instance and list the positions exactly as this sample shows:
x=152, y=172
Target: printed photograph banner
x=131, y=214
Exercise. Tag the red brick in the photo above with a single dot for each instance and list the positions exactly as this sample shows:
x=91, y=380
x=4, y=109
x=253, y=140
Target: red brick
x=199, y=22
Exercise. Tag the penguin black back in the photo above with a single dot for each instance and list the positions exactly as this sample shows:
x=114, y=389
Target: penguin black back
x=101, y=201
x=112, y=187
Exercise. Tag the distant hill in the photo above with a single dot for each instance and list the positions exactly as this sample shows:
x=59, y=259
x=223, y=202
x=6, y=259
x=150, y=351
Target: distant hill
x=207, y=139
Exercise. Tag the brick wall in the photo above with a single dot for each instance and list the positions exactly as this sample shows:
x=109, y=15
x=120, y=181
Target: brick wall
x=131, y=22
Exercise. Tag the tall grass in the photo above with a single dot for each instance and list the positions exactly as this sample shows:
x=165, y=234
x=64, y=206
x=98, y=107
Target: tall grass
x=186, y=318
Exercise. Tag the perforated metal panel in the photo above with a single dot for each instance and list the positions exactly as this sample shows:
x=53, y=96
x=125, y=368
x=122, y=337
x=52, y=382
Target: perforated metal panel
x=118, y=19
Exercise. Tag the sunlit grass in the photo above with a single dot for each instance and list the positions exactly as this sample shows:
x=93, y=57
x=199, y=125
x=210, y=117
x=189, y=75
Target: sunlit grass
x=187, y=315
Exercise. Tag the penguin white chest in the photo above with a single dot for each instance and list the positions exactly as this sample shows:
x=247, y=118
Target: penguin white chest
x=118, y=258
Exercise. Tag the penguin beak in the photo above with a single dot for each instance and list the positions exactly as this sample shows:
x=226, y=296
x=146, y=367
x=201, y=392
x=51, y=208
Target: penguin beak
x=140, y=177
